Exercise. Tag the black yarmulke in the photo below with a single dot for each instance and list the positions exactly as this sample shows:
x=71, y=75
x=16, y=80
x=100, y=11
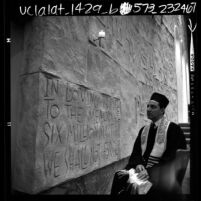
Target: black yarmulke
x=163, y=101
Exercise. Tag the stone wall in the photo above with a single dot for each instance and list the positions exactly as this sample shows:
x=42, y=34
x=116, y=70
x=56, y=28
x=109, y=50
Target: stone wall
x=82, y=101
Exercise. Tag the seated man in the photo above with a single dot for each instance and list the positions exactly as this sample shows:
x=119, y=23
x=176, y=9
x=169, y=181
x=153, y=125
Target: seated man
x=153, y=153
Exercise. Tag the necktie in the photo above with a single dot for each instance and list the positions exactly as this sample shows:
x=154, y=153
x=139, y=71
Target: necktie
x=153, y=126
x=150, y=141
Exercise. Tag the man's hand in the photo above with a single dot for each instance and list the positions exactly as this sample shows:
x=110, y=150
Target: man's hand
x=142, y=172
x=139, y=168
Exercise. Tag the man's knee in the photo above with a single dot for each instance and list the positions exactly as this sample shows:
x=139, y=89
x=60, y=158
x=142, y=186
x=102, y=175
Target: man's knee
x=119, y=181
x=122, y=174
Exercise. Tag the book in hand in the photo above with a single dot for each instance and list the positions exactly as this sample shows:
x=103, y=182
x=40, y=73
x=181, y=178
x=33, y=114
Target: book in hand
x=141, y=186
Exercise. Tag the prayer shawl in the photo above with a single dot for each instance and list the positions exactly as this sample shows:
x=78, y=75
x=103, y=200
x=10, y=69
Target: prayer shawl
x=159, y=144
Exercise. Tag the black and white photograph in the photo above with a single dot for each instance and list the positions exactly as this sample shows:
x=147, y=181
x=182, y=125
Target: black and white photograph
x=101, y=99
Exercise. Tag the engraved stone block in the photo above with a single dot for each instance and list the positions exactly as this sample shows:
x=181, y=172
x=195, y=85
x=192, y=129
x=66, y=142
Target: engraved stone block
x=72, y=131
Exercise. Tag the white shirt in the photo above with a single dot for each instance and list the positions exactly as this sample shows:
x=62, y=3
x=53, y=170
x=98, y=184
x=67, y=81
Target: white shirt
x=157, y=123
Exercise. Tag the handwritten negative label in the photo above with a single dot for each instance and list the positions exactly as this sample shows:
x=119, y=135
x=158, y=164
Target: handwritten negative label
x=79, y=129
x=107, y=9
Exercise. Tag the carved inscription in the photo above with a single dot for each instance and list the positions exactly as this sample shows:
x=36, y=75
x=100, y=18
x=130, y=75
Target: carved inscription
x=80, y=129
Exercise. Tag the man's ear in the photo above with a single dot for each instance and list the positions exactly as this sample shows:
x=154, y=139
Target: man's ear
x=163, y=110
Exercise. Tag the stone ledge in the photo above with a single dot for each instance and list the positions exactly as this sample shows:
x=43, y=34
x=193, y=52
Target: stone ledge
x=96, y=182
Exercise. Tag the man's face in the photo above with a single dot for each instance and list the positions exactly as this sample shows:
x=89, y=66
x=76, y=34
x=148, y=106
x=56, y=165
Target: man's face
x=154, y=112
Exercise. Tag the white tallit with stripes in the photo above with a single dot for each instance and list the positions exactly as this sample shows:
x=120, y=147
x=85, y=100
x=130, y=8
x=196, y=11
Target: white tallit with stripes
x=159, y=144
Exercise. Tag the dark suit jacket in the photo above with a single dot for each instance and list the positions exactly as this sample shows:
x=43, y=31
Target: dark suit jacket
x=175, y=140
x=161, y=175
x=164, y=175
